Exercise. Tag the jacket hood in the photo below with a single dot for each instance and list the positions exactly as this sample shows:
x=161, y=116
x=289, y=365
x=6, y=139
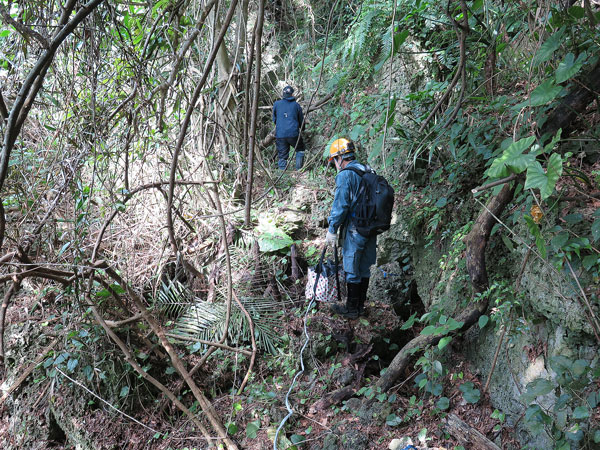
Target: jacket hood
x=291, y=98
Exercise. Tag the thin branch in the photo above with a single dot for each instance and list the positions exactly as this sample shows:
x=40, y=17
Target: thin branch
x=131, y=360
x=24, y=30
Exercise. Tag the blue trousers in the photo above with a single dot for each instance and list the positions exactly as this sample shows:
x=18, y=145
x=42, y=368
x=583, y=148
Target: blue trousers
x=283, y=151
x=359, y=254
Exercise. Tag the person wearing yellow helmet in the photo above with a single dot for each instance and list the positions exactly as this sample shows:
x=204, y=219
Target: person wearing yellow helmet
x=358, y=252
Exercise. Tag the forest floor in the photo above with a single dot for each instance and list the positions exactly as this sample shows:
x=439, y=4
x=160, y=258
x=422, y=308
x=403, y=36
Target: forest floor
x=334, y=403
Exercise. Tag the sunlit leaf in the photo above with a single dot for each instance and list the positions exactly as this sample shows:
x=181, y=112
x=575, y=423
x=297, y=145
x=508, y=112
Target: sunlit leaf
x=537, y=178
x=512, y=160
x=444, y=342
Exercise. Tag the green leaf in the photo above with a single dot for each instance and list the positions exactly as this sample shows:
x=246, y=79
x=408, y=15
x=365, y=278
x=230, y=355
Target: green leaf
x=297, y=439
x=443, y=403
x=429, y=330
x=548, y=48
x=589, y=261
x=483, y=320
x=444, y=342
x=573, y=219
x=393, y=420
x=581, y=412
x=453, y=324
x=61, y=358
x=559, y=241
x=512, y=160
x=568, y=67
x=541, y=246
x=124, y=391
x=409, y=323
x=232, y=428
x=507, y=242
x=470, y=394
x=544, y=93
x=577, y=12
x=270, y=237
x=544, y=181
x=72, y=364
x=536, y=388
x=252, y=428
x=596, y=230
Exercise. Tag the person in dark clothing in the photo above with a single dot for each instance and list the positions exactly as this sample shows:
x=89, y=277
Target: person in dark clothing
x=358, y=252
x=288, y=118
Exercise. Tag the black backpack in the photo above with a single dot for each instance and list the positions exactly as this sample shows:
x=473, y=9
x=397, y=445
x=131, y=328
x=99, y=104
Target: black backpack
x=372, y=214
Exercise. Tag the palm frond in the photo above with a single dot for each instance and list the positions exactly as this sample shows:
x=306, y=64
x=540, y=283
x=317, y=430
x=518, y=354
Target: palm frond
x=173, y=298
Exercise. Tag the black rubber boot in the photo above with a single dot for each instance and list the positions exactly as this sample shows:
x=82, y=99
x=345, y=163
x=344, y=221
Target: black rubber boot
x=350, y=311
x=364, y=286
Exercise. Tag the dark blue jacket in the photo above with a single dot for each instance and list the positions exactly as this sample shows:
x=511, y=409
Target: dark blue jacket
x=287, y=116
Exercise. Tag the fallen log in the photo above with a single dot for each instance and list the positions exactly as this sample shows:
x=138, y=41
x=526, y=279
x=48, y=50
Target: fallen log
x=333, y=398
x=468, y=436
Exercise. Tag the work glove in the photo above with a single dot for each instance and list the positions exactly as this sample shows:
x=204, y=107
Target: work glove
x=330, y=238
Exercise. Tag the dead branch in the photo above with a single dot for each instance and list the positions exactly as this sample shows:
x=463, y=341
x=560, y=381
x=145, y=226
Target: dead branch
x=466, y=434
x=461, y=34
x=18, y=113
x=253, y=340
x=3, y=109
x=23, y=29
x=14, y=288
x=175, y=360
x=254, y=110
x=131, y=360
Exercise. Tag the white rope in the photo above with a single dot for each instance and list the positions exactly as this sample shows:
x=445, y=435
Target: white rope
x=287, y=396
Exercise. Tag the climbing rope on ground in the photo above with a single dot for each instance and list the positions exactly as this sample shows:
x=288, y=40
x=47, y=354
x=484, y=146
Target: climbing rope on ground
x=300, y=372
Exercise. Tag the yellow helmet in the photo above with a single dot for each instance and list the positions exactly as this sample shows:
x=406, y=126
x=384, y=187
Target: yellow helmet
x=340, y=147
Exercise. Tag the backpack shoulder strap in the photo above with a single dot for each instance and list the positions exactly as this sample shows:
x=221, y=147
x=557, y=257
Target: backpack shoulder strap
x=356, y=170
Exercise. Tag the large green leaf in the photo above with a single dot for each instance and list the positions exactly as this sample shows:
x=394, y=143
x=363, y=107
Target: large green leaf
x=544, y=93
x=270, y=237
x=547, y=49
x=568, y=67
x=537, y=178
x=512, y=160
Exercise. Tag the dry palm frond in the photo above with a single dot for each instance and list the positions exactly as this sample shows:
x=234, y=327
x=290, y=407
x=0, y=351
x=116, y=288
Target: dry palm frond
x=258, y=294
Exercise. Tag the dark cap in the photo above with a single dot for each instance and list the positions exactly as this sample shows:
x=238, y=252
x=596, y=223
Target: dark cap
x=288, y=91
